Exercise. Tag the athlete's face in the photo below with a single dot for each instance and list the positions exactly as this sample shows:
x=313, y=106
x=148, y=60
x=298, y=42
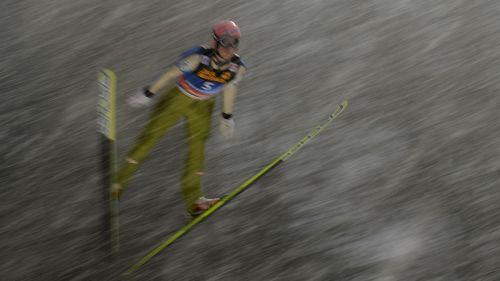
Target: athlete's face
x=226, y=53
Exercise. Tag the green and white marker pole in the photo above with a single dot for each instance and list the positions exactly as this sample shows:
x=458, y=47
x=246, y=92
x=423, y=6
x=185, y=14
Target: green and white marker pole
x=106, y=128
x=285, y=156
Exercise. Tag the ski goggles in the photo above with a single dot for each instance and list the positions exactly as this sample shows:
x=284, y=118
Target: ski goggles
x=228, y=42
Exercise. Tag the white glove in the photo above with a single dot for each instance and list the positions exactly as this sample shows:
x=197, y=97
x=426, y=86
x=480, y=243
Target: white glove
x=226, y=127
x=139, y=99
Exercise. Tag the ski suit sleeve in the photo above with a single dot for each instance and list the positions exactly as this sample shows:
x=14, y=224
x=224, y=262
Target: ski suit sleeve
x=186, y=64
x=230, y=91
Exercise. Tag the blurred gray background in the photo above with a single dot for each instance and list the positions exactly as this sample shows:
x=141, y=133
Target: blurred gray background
x=404, y=186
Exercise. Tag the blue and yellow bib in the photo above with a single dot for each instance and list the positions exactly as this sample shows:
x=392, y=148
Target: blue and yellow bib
x=205, y=81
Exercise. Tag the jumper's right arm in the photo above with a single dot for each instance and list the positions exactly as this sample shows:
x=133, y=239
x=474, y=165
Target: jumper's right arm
x=184, y=65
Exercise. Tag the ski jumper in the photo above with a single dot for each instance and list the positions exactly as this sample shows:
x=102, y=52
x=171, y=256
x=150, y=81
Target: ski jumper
x=192, y=98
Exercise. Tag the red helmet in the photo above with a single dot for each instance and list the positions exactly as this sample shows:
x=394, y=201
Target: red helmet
x=226, y=34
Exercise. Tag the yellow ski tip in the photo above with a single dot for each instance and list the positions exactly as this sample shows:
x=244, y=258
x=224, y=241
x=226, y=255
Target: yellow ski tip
x=344, y=104
x=108, y=72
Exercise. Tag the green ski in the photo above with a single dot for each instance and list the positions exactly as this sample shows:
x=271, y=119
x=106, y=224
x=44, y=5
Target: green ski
x=285, y=156
x=106, y=128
